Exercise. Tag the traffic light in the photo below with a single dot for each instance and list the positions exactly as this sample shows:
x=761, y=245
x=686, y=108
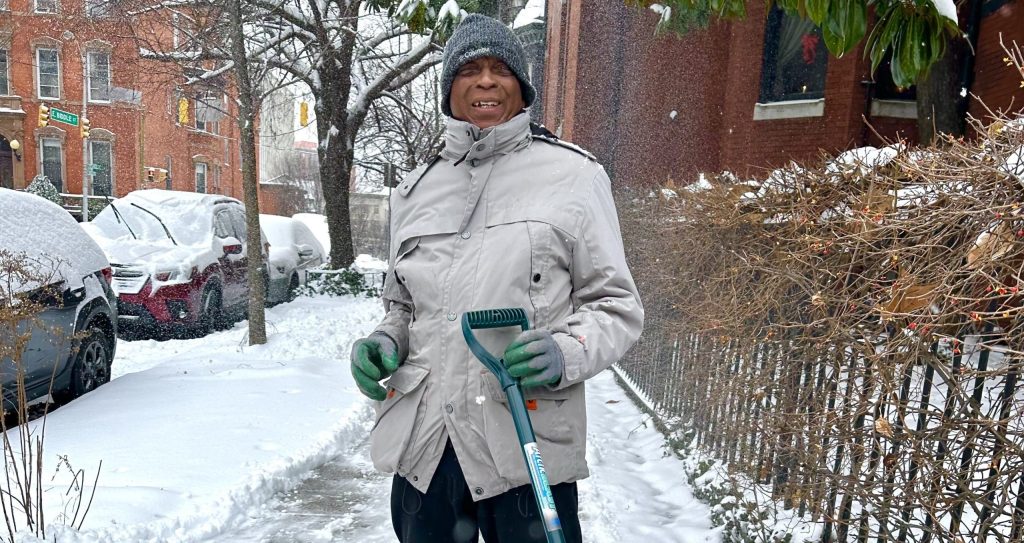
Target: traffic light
x=44, y=115
x=303, y=113
x=183, y=110
x=83, y=127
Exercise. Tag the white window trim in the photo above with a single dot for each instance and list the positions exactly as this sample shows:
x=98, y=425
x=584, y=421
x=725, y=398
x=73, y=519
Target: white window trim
x=113, y=184
x=790, y=109
x=39, y=159
x=88, y=75
x=899, y=109
x=39, y=80
x=56, y=7
x=206, y=177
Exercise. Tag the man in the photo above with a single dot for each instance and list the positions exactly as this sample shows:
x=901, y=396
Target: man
x=506, y=216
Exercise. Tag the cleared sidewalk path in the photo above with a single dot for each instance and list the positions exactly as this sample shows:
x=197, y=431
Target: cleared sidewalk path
x=636, y=491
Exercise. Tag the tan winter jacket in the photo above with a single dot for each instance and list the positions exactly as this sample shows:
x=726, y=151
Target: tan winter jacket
x=501, y=219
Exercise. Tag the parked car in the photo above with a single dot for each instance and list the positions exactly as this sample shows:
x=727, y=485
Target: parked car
x=293, y=250
x=180, y=259
x=55, y=291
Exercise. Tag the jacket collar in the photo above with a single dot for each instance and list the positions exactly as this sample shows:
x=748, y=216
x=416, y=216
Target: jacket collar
x=465, y=140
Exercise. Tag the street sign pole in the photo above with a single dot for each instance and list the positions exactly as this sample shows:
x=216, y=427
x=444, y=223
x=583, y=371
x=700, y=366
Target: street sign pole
x=86, y=173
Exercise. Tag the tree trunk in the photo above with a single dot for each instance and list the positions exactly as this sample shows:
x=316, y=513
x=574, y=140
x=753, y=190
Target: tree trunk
x=246, y=125
x=939, y=95
x=334, y=151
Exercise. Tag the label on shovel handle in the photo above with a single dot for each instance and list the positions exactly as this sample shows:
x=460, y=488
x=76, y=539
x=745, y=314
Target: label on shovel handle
x=541, y=488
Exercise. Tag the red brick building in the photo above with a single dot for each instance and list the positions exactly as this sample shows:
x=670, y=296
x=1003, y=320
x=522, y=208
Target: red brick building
x=146, y=130
x=653, y=108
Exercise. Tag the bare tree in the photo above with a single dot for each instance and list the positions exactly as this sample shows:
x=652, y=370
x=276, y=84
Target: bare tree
x=350, y=54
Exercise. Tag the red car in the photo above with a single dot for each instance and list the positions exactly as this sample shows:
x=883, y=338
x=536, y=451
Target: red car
x=180, y=259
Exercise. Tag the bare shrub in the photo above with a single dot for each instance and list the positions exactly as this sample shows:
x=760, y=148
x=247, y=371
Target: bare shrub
x=850, y=332
x=27, y=287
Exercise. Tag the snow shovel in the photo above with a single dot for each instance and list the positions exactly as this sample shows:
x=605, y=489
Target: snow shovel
x=501, y=318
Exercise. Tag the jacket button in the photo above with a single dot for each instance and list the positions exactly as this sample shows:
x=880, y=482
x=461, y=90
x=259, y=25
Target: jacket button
x=481, y=147
x=449, y=409
x=452, y=316
x=415, y=478
x=465, y=235
x=478, y=491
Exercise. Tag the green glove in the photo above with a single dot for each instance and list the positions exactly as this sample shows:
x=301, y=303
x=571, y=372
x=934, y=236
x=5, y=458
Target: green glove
x=535, y=359
x=374, y=358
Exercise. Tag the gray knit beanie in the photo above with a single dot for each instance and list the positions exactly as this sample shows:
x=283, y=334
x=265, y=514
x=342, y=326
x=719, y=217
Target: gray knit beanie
x=481, y=36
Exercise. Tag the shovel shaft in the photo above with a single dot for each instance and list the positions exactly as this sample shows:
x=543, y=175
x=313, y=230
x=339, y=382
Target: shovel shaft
x=500, y=318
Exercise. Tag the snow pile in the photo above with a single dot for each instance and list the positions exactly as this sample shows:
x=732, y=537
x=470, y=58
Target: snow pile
x=318, y=225
x=532, y=12
x=946, y=8
x=195, y=434
x=51, y=244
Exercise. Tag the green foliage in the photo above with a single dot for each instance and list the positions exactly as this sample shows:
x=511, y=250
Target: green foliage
x=347, y=282
x=42, y=187
x=422, y=15
x=96, y=205
x=912, y=30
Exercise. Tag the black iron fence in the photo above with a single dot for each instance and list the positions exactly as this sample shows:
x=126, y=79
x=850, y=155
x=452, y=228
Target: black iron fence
x=876, y=445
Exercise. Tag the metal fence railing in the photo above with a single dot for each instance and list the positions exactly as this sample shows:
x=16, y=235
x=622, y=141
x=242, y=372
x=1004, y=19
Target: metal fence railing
x=924, y=448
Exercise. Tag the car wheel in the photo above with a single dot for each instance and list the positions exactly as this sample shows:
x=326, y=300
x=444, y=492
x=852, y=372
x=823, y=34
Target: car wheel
x=293, y=288
x=211, y=317
x=92, y=363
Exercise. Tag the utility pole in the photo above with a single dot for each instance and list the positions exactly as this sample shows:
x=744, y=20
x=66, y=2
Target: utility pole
x=84, y=131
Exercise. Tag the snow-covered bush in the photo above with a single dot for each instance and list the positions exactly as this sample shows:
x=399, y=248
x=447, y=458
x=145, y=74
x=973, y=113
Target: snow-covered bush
x=42, y=187
x=346, y=282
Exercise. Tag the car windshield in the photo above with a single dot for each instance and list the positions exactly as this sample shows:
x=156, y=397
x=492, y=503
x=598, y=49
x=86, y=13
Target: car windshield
x=143, y=221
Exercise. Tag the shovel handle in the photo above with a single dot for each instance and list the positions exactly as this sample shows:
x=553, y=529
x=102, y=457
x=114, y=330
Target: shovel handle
x=501, y=318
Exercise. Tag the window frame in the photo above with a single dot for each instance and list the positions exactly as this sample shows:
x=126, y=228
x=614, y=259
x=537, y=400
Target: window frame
x=36, y=4
x=206, y=176
x=110, y=165
x=770, y=65
x=49, y=141
x=39, y=74
x=89, y=75
x=5, y=71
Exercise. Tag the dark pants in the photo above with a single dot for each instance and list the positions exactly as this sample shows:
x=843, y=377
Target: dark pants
x=447, y=513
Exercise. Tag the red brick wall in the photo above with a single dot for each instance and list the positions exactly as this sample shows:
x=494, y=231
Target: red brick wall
x=995, y=83
x=144, y=135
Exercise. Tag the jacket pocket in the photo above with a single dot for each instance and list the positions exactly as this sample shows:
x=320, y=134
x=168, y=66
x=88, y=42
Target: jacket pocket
x=547, y=409
x=398, y=416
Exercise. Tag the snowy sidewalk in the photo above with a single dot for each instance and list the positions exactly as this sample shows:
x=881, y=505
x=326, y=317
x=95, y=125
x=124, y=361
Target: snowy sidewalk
x=634, y=493
x=212, y=441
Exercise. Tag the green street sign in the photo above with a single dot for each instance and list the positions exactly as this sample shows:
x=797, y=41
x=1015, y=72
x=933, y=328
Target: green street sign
x=62, y=116
x=97, y=167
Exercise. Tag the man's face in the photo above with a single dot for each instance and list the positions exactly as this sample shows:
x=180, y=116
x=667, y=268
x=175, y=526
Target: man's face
x=486, y=93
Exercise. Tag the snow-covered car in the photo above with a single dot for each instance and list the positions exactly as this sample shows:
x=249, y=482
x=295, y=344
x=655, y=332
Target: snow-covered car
x=180, y=259
x=293, y=249
x=55, y=291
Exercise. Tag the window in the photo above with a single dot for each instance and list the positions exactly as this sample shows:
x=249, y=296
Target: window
x=201, y=177
x=100, y=157
x=46, y=6
x=222, y=225
x=4, y=6
x=48, y=74
x=209, y=110
x=795, y=59
x=886, y=88
x=99, y=76
x=52, y=161
x=5, y=84
x=99, y=8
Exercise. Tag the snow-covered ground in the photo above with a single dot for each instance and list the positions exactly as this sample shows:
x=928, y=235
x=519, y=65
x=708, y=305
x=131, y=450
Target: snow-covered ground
x=211, y=439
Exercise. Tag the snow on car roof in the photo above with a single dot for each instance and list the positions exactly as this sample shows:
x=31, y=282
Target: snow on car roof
x=279, y=230
x=49, y=240
x=186, y=215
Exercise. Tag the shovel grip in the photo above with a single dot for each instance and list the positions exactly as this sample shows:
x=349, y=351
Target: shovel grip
x=497, y=318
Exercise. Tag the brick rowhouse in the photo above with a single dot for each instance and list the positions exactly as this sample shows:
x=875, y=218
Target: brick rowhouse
x=654, y=108
x=132, y=105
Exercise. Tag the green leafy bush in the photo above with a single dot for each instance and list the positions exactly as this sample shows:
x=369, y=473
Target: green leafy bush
x=346, y=282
